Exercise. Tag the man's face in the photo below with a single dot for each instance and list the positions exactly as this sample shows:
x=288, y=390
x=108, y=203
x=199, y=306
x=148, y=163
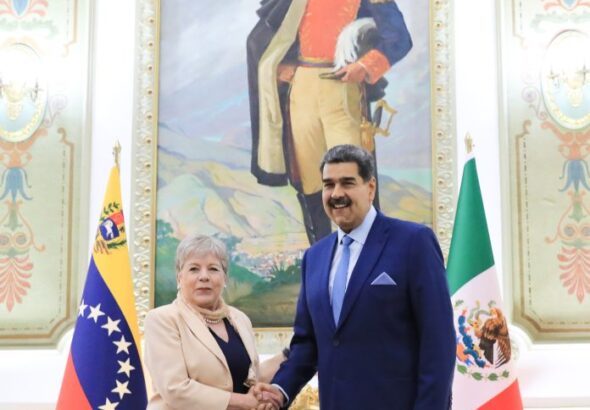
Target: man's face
x=346, y=197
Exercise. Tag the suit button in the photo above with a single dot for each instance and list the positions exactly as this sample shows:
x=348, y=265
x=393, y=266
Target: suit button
x=336, y=343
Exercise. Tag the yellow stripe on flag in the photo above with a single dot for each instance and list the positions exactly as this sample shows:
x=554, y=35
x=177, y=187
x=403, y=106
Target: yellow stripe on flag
x=111, y=253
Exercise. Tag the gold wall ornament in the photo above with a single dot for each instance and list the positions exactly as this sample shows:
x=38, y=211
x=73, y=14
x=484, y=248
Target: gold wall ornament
x=307, y=399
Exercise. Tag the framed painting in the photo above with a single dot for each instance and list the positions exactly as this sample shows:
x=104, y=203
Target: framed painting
x=195, y=167
x=546, y=49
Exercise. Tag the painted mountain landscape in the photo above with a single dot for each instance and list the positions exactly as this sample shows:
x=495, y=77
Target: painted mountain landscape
x=262, y=227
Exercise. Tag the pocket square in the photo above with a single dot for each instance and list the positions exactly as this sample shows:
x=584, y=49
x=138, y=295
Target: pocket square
x=384, y=279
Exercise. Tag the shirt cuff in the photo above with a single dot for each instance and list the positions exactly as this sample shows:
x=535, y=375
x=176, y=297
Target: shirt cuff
x=376, y=65
x=282, y=391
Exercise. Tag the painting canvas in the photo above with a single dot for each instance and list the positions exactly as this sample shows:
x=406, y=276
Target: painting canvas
x=203, y=182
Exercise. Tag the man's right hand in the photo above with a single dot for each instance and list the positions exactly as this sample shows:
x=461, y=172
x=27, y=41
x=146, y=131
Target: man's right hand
x=269, y=397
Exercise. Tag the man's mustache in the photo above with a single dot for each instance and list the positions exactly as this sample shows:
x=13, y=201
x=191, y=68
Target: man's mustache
x=342, y=201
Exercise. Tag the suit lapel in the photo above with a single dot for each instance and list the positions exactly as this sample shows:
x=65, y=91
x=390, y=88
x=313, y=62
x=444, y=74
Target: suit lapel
x=201, y=331
x=370, y=253
x=323, y=270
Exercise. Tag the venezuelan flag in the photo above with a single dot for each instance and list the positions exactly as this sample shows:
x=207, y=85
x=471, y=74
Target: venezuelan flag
x=104, y=369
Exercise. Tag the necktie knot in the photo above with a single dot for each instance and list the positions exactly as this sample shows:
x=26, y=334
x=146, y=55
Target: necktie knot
x=347, y=240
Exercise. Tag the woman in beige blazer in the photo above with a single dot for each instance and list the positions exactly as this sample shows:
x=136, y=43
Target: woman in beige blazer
x=201, y=353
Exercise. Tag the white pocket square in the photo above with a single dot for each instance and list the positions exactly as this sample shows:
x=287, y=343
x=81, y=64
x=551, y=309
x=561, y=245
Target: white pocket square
x=384, y=279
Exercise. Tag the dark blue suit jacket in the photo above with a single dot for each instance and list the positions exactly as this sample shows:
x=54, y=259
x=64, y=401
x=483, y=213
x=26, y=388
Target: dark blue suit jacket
x=394, y=347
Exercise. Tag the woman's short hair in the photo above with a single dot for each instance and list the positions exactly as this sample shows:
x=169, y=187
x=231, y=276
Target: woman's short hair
x=201, y=245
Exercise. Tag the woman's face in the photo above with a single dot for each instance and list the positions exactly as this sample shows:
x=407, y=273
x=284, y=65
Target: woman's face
x=201, y=281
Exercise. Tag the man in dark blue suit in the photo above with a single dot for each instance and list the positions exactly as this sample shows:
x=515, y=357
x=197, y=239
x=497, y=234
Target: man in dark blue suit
x=374, y=315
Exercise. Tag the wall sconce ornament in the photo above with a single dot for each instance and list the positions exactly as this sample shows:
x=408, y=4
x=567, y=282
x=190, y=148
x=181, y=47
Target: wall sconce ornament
x=23, y=92
x=565, y=79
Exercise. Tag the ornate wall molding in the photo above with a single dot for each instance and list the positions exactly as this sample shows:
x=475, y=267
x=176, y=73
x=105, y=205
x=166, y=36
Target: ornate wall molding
x=44, y=53
x=547, y=121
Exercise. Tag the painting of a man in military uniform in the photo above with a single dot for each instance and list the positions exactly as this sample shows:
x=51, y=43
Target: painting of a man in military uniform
x=314, y=67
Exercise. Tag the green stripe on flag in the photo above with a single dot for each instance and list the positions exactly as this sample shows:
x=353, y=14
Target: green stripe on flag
x=471, y=249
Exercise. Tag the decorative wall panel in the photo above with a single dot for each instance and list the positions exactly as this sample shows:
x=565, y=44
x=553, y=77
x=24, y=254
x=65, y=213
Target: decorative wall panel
x=43, y=80
x=546, y=59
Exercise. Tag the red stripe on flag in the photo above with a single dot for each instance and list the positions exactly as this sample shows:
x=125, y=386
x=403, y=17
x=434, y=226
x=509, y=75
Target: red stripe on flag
x=508, y=399
x=71, y=395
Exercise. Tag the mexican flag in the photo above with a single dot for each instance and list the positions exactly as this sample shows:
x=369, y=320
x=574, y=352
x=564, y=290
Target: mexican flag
x=484, y=371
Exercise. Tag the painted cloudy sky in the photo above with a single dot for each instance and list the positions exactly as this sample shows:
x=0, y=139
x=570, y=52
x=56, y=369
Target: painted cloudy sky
x=203, y=88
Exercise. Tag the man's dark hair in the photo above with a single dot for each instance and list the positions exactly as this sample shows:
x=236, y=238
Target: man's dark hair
x=351, y=153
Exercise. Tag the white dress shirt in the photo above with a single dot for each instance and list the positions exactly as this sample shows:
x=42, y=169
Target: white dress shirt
x=359, y=234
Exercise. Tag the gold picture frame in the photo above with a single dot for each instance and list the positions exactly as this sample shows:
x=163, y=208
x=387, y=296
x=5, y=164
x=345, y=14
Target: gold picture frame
x=145, y=145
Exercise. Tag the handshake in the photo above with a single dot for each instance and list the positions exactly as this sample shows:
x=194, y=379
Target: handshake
x=261, y=396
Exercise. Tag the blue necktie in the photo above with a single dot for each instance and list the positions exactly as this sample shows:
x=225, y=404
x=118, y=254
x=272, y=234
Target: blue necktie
x=339, y=287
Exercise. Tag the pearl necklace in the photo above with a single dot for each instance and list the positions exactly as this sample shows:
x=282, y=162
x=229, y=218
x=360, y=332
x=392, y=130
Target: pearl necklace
x=210, y=321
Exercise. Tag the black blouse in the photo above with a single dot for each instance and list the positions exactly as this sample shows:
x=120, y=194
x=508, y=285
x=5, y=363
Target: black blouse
x=236, y=355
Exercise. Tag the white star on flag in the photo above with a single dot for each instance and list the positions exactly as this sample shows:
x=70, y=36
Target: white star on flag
x=111, y=325
x=108, y=405
x=121, y=388
x=122, y=345
x=82, y=308
x=95, y=313
x=125, y=367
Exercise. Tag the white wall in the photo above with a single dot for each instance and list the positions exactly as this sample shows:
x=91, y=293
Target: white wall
x=549, y=375
x=35, y=376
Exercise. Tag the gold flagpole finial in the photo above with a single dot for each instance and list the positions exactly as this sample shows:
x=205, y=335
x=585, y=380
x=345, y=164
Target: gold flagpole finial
x=117, y=153
x=468, y=143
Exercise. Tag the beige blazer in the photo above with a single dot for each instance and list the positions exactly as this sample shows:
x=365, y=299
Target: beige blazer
x=186, y=365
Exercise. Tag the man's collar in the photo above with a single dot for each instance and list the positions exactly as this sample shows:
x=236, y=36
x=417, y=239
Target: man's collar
x=360, y=233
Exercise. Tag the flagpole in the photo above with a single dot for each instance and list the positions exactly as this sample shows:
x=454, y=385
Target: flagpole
x=106, y=318
x=117, y=153
x=468, y=143
x=473, y=284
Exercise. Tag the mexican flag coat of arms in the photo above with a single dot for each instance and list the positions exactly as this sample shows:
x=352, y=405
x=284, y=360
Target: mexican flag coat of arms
x=484, y=370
